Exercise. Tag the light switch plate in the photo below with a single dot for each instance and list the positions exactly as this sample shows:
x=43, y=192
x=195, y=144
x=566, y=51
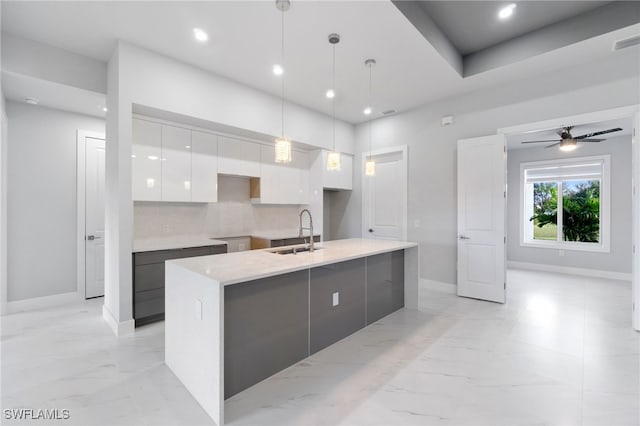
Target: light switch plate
x=336, y=299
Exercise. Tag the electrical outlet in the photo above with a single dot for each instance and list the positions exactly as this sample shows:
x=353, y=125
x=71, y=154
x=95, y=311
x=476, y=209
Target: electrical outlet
x=561, y=253
x=336, y=299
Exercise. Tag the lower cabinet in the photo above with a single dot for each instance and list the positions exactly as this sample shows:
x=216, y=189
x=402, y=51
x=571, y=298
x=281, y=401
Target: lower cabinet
x=148, y=279
x=385, y=284
x=275, y=322
x=337, y=299
x=266, y=326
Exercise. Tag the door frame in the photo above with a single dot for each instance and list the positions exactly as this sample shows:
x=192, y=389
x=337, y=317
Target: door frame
x=403, y=149
x=602, y=115
x=81, y=220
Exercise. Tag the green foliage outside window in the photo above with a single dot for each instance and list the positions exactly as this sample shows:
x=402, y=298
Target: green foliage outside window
x=580, y=209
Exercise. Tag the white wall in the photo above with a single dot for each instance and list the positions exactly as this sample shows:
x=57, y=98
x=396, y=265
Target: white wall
x=233, y=215
x=619, y=258
x=41, y=202
x=138, y=76
x=432, y=148
x=3, y=203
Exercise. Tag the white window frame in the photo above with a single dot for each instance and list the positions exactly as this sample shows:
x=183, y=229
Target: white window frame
x=605, y=208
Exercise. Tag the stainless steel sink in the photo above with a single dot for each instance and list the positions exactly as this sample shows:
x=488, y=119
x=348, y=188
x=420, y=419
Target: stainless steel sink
x=292, y=250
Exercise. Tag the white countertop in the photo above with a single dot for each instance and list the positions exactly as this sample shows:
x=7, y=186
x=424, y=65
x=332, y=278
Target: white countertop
x=280, y=234
x=176, y=242
x=233, y=268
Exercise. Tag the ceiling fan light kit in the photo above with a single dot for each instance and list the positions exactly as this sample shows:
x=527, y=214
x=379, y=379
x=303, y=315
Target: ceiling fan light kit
x=567, y=142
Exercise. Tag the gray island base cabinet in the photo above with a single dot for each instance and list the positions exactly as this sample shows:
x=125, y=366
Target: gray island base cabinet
x=235, y=319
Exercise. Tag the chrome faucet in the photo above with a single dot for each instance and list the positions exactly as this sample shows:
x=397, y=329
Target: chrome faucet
x=310, y=228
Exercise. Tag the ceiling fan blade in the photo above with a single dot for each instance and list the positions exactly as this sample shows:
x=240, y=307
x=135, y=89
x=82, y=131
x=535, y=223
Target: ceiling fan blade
x=550, y=140
x=603, y=132
x=591, y=140
x=552, y=145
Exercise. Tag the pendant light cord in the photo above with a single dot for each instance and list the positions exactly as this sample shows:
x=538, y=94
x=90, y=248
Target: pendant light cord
x=370, y=118
x=283, y=73
x=334, y=98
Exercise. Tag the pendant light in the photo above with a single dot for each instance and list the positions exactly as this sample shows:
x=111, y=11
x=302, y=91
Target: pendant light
x=283, y=146
x=370, y=164
x=333, y=159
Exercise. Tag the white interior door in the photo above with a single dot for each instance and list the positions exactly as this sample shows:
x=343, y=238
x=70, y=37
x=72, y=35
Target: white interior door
x=636, y=221
x=94, y=217
x=385, y=196
x=481, y=218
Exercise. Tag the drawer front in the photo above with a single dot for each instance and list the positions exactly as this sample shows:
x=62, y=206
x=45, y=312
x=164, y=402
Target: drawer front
x=160, y=256
x=147, y=303
x=148, y=277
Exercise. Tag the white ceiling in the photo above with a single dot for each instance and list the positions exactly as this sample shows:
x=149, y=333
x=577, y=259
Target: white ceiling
x=514, y=141
x=471, y=25
x=245, y=42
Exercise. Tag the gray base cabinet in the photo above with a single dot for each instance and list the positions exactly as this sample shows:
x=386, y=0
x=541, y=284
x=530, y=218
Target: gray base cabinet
x=266, y=326
x=148, y=279
x=272, y=323
x=330, y=323
x=385, y=285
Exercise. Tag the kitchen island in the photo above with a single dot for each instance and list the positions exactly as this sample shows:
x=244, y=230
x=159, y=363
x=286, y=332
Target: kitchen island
x=235, y=319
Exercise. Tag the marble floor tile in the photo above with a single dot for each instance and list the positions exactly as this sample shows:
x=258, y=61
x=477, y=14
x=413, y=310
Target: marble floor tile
x=561, y=351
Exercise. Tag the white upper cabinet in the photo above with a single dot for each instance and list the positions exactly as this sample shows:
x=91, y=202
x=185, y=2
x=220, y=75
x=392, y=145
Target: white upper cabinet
x=176, y=164
x=204, y=167
x=238, y=157
x=146, y=155
x=284, y=183
x=338, y=179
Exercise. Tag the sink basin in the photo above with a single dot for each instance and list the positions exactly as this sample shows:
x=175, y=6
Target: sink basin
x=292, y=250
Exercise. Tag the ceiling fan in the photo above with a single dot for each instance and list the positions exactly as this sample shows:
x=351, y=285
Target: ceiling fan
x=567, y=142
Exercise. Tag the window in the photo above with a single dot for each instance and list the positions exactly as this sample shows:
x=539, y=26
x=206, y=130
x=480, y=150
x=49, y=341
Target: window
x=565, y=204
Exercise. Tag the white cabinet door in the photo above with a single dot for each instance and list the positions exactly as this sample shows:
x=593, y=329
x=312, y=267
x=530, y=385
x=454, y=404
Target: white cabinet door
x=204, y=167
x=176, y=164
x=238, y=157
x=300, y=177
x=338, y=179
x=284, y=183
x=146, y=153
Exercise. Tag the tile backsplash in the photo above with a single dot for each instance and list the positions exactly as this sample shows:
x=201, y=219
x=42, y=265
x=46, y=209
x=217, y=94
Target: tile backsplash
x=232, y=215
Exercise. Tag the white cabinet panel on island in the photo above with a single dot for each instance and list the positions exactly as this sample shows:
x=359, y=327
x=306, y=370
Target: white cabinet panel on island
x=284, y=183
x=338, y=179
x=146, y=154
x=238, y=157
x=204, y=167
x=176, y=164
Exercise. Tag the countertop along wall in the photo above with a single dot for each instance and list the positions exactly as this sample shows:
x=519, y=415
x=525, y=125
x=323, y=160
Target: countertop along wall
x=41, y=194
x=619, y=258
x=432, y=149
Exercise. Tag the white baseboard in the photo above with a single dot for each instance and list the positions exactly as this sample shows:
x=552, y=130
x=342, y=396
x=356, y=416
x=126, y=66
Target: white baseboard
x=611, y=275
x=118, y=328
x=437, y=286
x=42, y=302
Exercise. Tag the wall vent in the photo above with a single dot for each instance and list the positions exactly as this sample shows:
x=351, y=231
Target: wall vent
x=389, y=111
x=627, y=42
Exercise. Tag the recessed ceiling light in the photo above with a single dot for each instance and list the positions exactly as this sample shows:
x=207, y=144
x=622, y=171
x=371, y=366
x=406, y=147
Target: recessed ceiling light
x=330, y=94
x=32, y=101
x=105, y=109
x=506, y=11
x=200, y=35
x=278, y=70
x=367, y=111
